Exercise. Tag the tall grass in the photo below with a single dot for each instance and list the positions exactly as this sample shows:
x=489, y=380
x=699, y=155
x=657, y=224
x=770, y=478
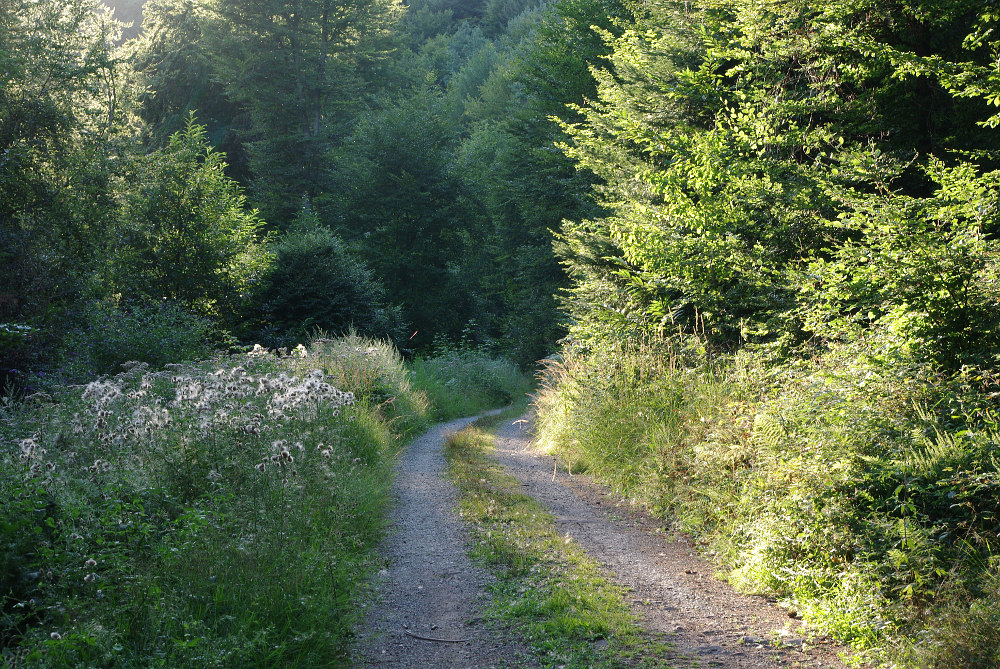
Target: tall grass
x=861, y=490
x=220, y=513
x=458, y=382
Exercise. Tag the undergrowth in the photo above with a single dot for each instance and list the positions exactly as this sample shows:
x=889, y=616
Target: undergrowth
x=861, y=488
x=459, y=382
x=221, y=513
x=547, y=590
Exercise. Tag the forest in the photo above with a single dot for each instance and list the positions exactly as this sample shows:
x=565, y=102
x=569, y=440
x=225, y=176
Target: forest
x=752, y=247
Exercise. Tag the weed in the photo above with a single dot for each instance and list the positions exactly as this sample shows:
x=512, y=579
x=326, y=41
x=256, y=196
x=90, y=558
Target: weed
x=219, y=513
x=860, y=489
x=458, y=382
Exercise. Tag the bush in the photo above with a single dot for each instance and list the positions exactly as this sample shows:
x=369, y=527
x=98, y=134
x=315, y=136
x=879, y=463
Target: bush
x=186, y=233
x=461, y=383
x=218, y=513
x=103, y=335
x=859, y=487
x=315, y=282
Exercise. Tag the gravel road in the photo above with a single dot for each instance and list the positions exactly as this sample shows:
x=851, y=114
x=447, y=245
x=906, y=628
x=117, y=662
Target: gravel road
x=672, y=590
x=430, y=588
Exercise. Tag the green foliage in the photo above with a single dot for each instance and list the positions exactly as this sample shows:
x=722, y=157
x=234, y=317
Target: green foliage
x=827, y=483
x=187, y=235
x=315, y=282
x=295, y=69
x=217, y=513
x=397, y=208
x=100, y=337
x=926, y=267
x=173, y=63
x=458, y=381
x=961, y=632
x=726, y=169
x=57, y=113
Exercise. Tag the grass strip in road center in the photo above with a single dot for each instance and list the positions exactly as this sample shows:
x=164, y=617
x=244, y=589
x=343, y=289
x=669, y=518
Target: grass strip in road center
x=547, y=589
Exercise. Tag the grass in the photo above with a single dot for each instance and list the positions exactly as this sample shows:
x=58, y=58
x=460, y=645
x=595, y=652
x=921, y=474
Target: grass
x=858, y=488
x=460, y=382
x=547, y=590
x=222, y=513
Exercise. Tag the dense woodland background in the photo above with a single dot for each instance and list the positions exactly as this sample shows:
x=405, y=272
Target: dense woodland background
x=762, y=238
x=259, y=172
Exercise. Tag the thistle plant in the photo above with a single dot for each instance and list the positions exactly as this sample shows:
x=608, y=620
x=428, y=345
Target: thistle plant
x=237, y=496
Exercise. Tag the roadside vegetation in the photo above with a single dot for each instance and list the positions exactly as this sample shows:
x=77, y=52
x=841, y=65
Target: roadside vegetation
x=547, y=591
x=863, y=496
x=784, y=330
x=219, y=513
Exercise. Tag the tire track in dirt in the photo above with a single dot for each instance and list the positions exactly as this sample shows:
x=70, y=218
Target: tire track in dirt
x=429, y=588
x=672, y=590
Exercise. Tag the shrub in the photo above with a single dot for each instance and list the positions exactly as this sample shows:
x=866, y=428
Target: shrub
x=316, y=283
x=103, y=335
x=859, y=486
x=186, y=234
x=461, y=383
x=220, y=513
x=216, y=513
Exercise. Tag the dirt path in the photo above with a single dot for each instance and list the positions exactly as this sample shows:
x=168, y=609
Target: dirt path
x=671, y=589
x=430, y=588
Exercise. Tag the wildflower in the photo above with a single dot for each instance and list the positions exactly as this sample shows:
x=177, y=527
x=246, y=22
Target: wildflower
x=301, y=351
x=55, y=636
x=90, y=563
x=261, y=467
x=90, y=578
x=258, y=351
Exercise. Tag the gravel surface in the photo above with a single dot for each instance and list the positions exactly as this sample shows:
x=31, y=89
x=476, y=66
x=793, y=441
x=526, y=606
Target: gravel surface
x=429, y=587
x=671, y=589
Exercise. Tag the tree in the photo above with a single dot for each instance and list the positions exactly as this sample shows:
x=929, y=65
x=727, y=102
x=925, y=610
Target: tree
x=176, y=71
x=58, y=112
x=295, y=67
x=726, y=134
x=186, y=234
x=315, y=282
x=396, y=203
